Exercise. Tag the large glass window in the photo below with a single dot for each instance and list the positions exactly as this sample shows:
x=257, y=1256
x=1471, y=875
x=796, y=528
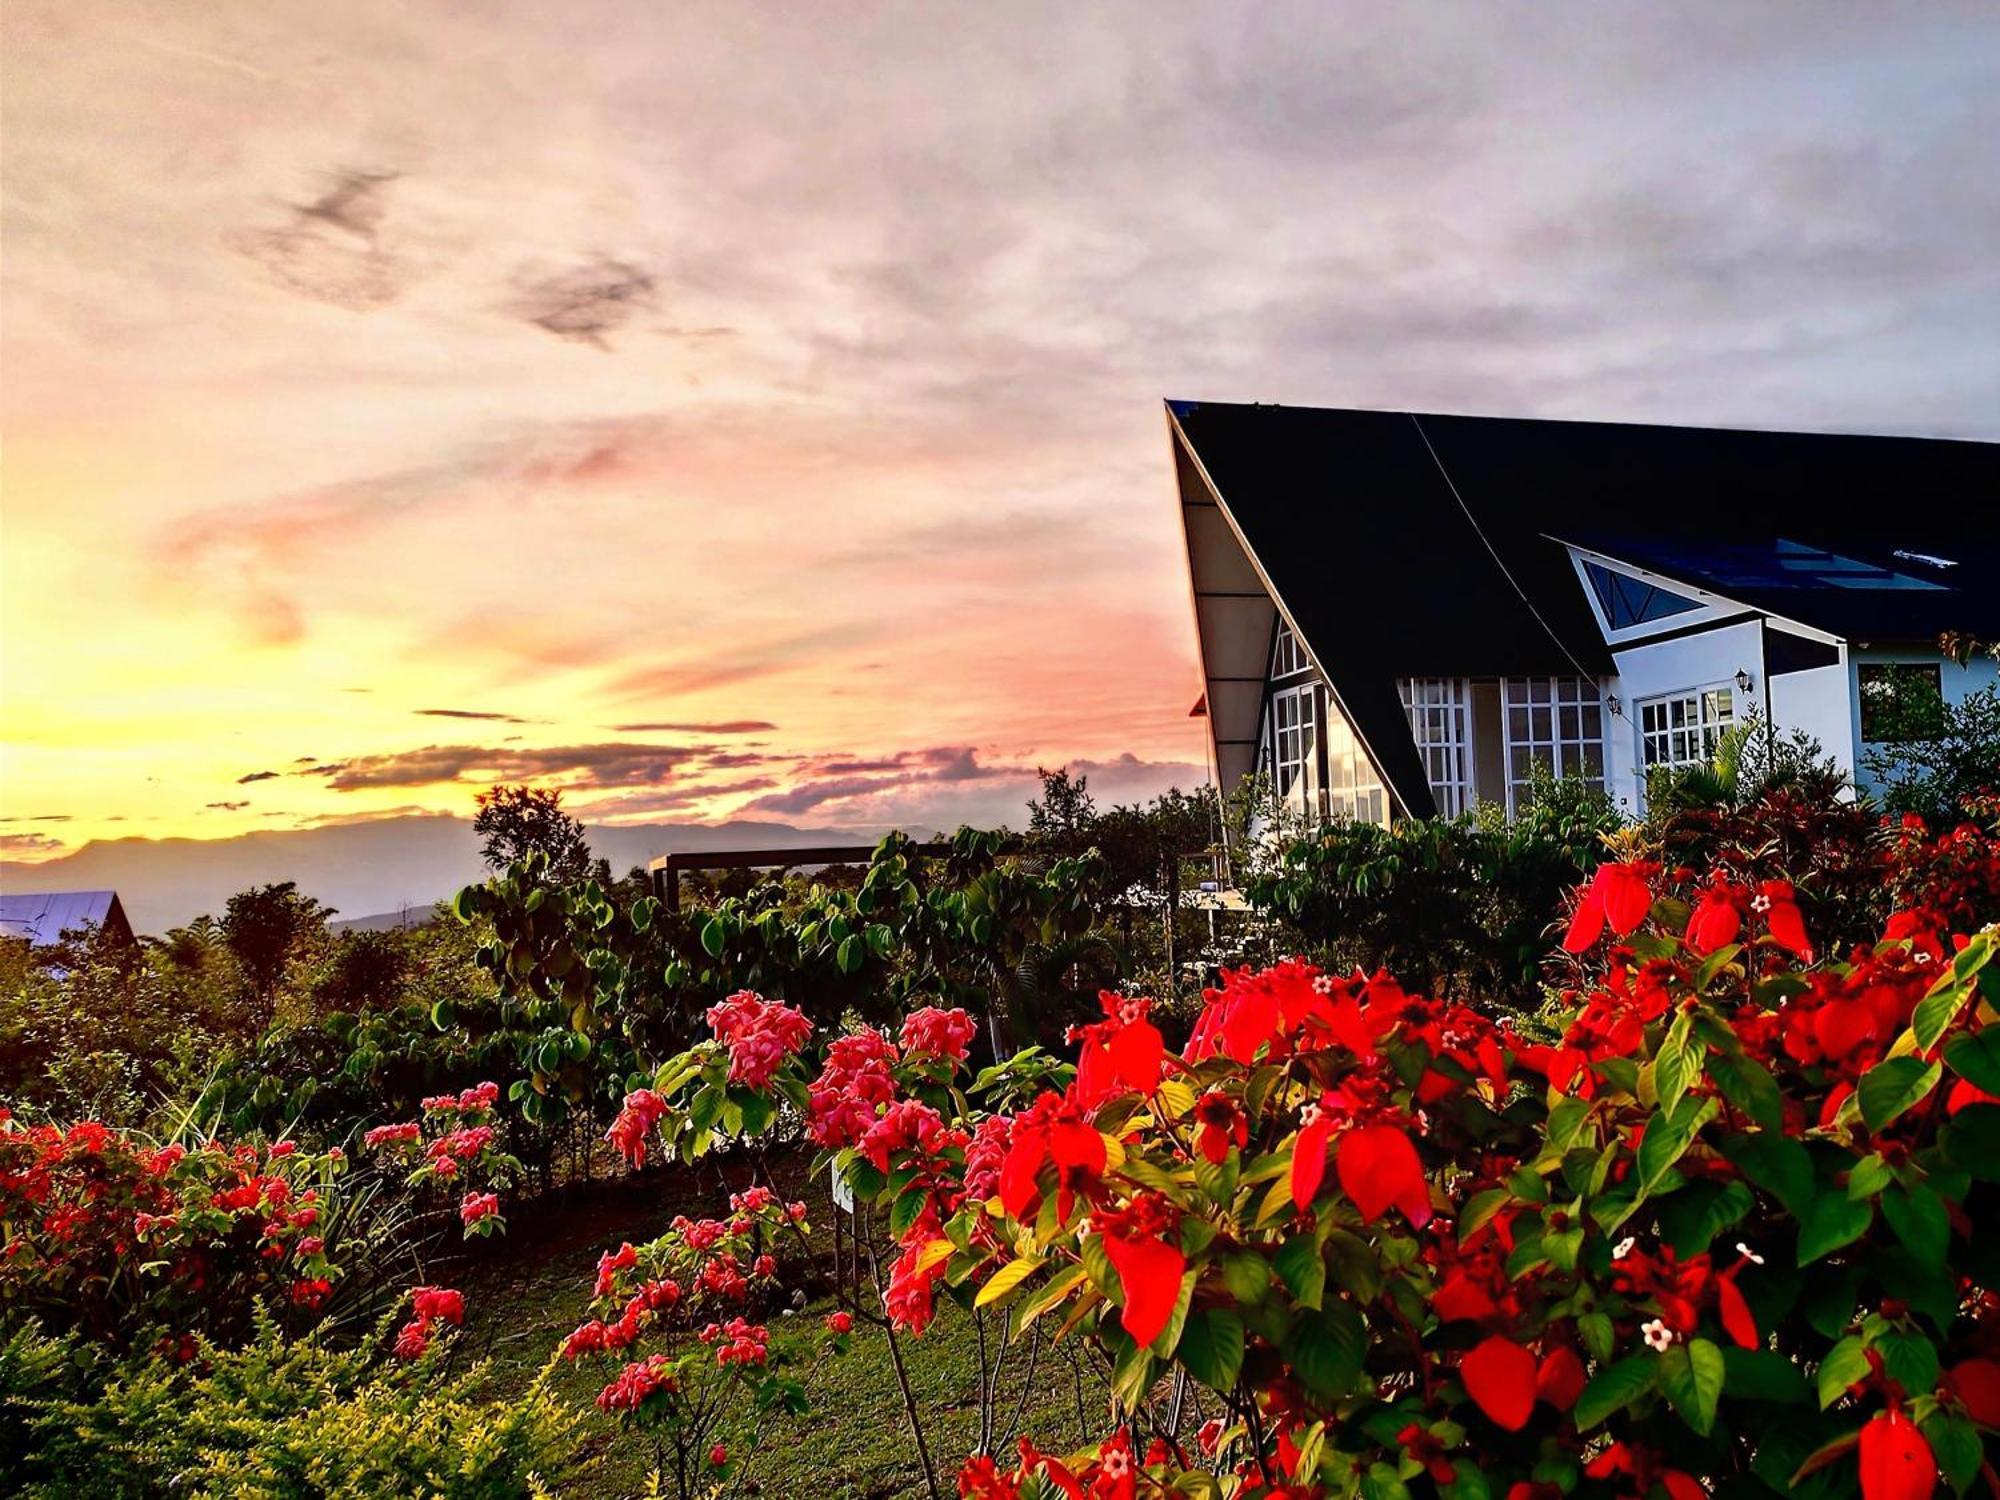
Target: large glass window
x=1683, y=729
x=1352, y=788
x=1440, y=710
x=1294, y=734
x=1556, y=724
x=1901, y=701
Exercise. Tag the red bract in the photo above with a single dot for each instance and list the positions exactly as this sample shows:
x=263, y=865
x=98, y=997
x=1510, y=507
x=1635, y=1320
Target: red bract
x=642, y=1111
x=1715, y=921
x=1561, y=1378
x=1378, y=1170
x=1976, y=1384
x=1896, y=1462
x=1618, y=894
x=1736, y=1318
x=1499, y=1376
x=932, y=1032
x=1143, y=1245
x=1052, y=1131
x=1781, y=914
x=1124, y=1051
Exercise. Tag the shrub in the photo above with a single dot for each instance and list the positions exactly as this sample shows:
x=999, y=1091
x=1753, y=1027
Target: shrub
x=1940, y=774
x=123, y=1241
x=1720, y=1234
x=276, y=1417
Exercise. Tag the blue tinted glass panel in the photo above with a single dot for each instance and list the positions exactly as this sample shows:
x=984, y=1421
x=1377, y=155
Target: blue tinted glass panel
x=1630, y=601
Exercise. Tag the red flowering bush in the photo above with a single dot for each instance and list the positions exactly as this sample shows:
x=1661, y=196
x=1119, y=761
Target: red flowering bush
x=1716, y=1232
x=119, y=1239
x=455, y=1149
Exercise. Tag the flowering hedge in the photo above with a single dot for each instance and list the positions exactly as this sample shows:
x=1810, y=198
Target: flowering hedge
x=1714, y=1230
x=114, y=1237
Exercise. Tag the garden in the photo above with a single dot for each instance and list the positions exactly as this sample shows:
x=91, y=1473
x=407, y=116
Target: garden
x=1572, y=1157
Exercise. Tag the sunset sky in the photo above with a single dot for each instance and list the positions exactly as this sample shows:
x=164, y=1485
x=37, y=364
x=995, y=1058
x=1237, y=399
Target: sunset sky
x=755, y=409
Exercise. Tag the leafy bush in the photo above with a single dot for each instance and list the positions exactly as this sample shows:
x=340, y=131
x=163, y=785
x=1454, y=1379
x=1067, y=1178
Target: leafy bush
x=275, y=1417
x=1455, y=905
x=1940, y=775
x=1719, y=1235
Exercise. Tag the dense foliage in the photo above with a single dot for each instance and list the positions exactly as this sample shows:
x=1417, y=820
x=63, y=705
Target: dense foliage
x=1719, y=1231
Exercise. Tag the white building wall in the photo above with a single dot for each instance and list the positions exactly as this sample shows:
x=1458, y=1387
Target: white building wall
x=1819, y=701
x=1684, y=664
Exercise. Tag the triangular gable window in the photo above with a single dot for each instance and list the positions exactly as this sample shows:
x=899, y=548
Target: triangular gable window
x=1628, y=601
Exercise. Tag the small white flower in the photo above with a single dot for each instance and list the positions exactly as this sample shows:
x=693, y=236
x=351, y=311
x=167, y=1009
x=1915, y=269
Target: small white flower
x=1922, y=956
x=1116, y=1463
x=1131, y=1010
x=1659, y=1337
x=1624, y=1248
x=1451, y=1038
x=1309, y=1115
x=1748, y=1254
x=1322, y=985
x=1760, y=903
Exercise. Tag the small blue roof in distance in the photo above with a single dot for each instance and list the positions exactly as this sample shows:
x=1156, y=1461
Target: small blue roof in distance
x=42, y=917
x=1182, y=408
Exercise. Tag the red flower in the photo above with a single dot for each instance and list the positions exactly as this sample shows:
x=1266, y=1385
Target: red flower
x=840, y=1322
x=1781, y=915
x=718, y=1455
x=1976, y=1383
x=1618, y=894
x=1715, y=921
x=478, y=1206
x=1221, y=1121
x=1896, y=1462
x=1143, y=1245
x=1499, y=1376
x=1560, y=1380
x=932, y=1032
x=1378, y=1169
x=1736, y=1317
x=1309, y=1158
x=434, y=1302
x=635, y=1122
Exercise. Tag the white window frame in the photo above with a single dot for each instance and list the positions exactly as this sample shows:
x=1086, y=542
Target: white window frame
x=1294, y=713
x=1564, y=753
x=1707, y=713
x=1288, y=657
x=1440, y=714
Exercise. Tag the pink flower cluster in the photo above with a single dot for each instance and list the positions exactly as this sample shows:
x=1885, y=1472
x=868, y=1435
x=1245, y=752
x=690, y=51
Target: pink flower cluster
x=932, y=1032
x=635, y=1122
x=636, y=1382
x=433, y=1305
x=478, y=1098
x=478, y=1206
x=408, y=1133
x=761, y=1036
x=851, y=1089
x=739, y=1342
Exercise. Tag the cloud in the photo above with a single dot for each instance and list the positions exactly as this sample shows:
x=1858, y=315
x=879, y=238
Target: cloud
x=601, y=765
x=469, y=713
x=226, y=806
x=30, y=845
x=329, y=249
x=584, y=302
x=256, y=776
x=723, y=726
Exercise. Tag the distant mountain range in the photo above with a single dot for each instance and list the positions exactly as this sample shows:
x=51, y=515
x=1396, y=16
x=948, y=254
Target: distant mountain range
x=368, y=871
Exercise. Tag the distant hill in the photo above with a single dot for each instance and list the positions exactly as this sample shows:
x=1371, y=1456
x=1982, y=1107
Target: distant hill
x=383, y=867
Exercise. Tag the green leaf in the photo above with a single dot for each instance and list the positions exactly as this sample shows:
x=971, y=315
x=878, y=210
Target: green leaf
x=1007, y=1279
x=1598, y=1335
x=1776, y=1163
x=1889, y=1088
x=1939, y=1008
x=1748, y=1085
x=1247, y=1276
x=1674, y=1066
x=1911, y=1361
x=1921, y=1222
x=848, y=956
x=1956, y=1446
x=1211, y=1347
x=1667, y=1138
x=1763, y=1375
x=1975, y=1057
x=1299, y=1265
x=1615, y=1387
x=1326, y=1350
x=1831, y=1221
x=1845, y=1363
x=1691, y=1375
x=713, y=936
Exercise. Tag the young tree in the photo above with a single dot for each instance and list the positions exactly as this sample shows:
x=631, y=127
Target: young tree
x=263, y=926
x=516, y=821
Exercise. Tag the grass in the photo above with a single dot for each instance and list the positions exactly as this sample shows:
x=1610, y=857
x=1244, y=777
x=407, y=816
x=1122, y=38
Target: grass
x=853, y=1443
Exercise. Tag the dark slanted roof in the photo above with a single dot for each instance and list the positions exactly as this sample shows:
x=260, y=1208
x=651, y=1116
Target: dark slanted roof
x=1388, y=573
x=44, y=916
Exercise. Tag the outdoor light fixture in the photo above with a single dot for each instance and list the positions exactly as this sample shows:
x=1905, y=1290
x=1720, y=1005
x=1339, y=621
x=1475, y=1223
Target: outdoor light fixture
x=1744, y=682
x=1617, y=709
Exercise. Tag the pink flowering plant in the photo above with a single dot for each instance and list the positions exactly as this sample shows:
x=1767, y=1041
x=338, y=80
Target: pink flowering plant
x=680, y=1322
x=454, y=1150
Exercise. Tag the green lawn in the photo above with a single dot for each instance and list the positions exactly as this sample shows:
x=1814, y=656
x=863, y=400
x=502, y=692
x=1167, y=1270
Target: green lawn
x=855, y=1441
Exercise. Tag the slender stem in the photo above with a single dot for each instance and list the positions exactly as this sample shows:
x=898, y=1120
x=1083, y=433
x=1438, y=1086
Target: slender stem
x=903, y=1377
